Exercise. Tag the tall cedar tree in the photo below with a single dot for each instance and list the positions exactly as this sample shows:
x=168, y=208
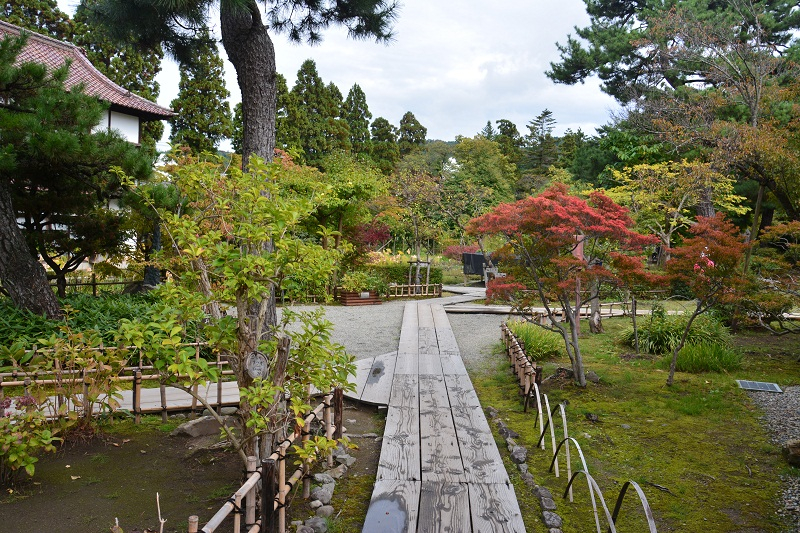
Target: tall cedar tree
x=203, y=113
x=131, y=66
x=357, y=114
x=384, y=151
x=554, y=242
x=411, y=134
x=337, y=130
x=40, y=16
x=55, y=178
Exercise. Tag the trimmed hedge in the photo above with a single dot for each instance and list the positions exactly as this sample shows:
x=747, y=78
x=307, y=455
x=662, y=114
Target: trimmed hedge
x=398, y=273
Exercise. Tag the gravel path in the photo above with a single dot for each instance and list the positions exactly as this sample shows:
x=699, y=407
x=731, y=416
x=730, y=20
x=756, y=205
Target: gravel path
x=782, y=419
x=367, y=331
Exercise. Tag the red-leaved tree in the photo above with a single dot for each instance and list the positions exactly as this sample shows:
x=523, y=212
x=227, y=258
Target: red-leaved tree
x=544, y=235
x=710, y=264
x=634, y=278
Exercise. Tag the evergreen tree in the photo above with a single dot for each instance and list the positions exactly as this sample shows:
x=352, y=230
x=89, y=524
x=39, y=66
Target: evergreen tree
x=237, y=129
x=337, y=130
x=510, y=140
x=40, y=16
x=488, y=131
x=130, y=66
x=287, y=133
x=541, y=147
x=357, y=115
x=384, y=151
x=55, y=179
x=314, y=113
x=411, y=133
x=203, y=115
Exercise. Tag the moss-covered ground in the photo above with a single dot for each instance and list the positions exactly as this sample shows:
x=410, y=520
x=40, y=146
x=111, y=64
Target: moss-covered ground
x=697, y=449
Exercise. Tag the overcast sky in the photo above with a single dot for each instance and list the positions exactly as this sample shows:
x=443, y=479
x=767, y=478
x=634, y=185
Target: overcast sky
x=454, y=64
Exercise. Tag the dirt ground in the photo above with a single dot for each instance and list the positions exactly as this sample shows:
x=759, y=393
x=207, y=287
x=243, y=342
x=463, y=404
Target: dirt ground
x=89, y=483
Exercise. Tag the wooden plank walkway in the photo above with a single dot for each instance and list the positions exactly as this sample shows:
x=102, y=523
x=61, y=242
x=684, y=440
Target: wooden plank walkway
x=439, y=469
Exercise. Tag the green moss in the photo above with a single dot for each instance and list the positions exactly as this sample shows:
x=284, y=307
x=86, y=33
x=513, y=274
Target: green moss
x=700, y=440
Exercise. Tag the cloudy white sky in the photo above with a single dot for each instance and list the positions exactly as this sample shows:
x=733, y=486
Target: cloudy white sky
x=454, y=64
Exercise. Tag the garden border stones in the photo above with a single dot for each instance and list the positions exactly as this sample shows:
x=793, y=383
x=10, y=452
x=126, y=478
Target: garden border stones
x=519, y=455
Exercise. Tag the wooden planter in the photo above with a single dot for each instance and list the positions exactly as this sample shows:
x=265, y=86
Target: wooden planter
x=359, y=298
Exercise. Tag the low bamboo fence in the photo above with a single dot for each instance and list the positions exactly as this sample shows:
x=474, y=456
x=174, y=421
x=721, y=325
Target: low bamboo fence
x=91, y=281
x=405, y=291
x=275, y=487
x=141, y=377
x=530, y=378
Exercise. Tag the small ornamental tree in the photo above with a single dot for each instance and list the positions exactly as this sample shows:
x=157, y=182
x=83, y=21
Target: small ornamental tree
x=710, y=264
x=543, y=235
x=217, y=261
x=635, y=279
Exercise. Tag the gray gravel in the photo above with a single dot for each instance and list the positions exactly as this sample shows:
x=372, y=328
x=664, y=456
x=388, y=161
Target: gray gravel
x=782, y=419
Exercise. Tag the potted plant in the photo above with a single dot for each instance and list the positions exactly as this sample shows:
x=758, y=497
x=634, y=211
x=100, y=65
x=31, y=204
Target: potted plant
x=360, y=288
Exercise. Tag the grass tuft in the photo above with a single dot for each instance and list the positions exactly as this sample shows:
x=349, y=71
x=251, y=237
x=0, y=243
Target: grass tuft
x=697, y=358
x=538, y=342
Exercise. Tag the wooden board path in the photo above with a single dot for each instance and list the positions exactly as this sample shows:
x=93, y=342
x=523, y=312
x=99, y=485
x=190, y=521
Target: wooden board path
x=439, y=469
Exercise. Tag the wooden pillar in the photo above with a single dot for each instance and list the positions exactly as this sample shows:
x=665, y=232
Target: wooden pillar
x=338, y=412
x=250, y=502
x=163, y=390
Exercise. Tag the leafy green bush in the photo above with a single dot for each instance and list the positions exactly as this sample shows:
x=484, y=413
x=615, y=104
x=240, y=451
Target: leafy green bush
x=539, y=343
x=24, y=433
x=661, y=333
x=704, y=357
x=398, y=273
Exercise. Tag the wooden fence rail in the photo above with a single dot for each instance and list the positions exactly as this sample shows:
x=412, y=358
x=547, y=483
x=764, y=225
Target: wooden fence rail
x=142, y=378
x=91, y=281
x=275, y=487
x=530, y=379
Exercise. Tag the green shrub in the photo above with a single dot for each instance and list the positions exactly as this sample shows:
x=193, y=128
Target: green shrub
x=704, y=357
x=538, y=342
x=661, y=333
x=398, y=273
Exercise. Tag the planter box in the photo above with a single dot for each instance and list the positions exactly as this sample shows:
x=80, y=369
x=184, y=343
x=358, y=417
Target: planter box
x=359, y=298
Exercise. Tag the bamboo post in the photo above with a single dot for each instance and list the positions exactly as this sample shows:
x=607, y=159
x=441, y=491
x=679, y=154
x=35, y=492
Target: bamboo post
x=194, y=387
x=338, y=412
x=94, y=285
x=87, y=413
x=137, y=396
x=282, y=488
x=250, y=502
x=327, y=417
x=163, y=391
x=307, y=463
x=219, y=385
x=194, y=523
x=268, y=496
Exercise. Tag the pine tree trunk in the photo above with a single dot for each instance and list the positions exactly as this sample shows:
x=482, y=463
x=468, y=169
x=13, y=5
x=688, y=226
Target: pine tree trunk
x=250, y=50
x=22, y=276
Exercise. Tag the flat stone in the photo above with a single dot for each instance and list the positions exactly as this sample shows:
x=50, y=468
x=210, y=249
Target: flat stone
x=297, y=523
x=318, y=524
x=337, y=472
x=550, y=518
x=305, y=529
x=505, y=431
x=592, y=376
x=519, y=454
x=315, y=504
x=625, y=426
x=325, y=511
x=522, y=467
x=345, y=459
x=370, y=435
x=321, y=494
x=491, y=411
x=527, y=478
x=510, y=443
x=542, y=492
x=791, y=450
x=323, y=478
x=200, y=427
x=329, y=486
x=554, y=530
x=548, y=504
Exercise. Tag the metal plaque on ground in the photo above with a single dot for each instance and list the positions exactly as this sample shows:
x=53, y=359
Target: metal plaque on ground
x=758, y=386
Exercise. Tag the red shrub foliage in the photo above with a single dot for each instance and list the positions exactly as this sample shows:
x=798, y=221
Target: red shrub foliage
x=455, y=251
x=502, y=289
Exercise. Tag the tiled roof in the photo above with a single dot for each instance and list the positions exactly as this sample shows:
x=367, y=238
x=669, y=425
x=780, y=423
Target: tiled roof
x=53, y=54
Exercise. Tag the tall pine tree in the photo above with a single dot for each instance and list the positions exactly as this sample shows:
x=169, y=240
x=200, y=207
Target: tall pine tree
x=384, y=151
x=203, y=114
x=40, y=16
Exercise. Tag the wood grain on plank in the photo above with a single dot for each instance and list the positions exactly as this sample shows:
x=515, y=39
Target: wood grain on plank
x=440, y=454
x=425, y=316
x=378, y=386
x=400, y=448
x=433, y=392
x=405, y=391
x=430, y=364
x=453, y=364
x=409, y=334
x=494, y=508
x=393, y=507
x=460, y=390
x=359, y=379
x=444, y=507
x=428, y=345
x=482, y=461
